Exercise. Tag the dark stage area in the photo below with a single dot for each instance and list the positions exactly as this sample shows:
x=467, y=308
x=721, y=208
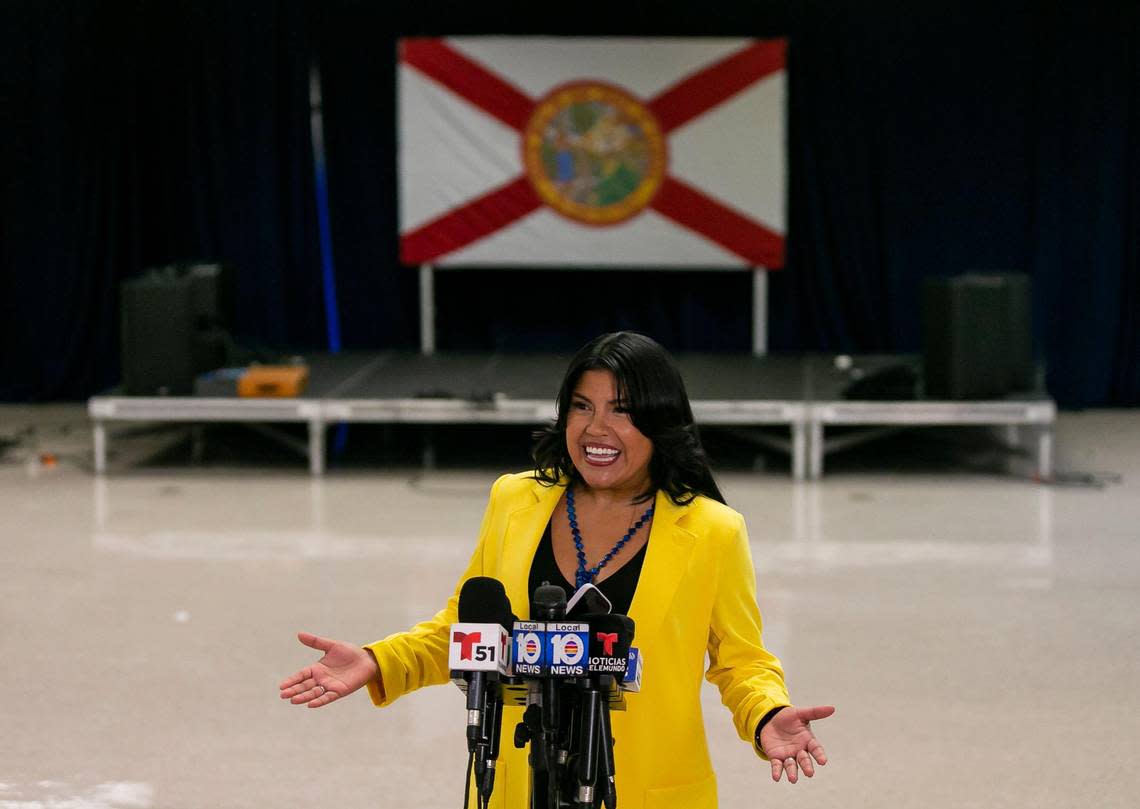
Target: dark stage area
x=803, y=396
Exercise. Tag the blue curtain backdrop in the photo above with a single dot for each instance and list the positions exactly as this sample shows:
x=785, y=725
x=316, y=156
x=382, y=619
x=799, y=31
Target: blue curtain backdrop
x=924, y=140
x=137, y=134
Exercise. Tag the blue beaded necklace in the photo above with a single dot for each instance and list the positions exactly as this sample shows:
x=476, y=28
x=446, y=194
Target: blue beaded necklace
x=585, y=575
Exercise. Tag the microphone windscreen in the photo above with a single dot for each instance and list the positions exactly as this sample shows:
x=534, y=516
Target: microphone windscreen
x=482, y=600
x=549, y=598
x=610, y=635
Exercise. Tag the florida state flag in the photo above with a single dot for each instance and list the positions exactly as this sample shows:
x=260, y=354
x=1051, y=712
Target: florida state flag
x=571, y=151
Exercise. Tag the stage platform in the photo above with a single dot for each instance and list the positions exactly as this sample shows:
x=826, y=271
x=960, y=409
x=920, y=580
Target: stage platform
x=802, y=393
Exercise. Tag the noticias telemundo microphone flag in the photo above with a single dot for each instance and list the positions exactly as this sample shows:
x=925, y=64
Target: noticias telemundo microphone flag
x=594, y=151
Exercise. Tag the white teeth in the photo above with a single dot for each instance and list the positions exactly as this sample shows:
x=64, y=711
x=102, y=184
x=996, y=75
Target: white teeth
x=609, y=453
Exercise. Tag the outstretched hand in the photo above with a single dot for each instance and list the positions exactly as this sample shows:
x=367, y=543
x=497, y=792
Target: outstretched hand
x=343, y=669
x=788, y=741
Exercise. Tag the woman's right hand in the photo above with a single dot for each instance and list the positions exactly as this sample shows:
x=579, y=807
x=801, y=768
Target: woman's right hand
x=342, y=670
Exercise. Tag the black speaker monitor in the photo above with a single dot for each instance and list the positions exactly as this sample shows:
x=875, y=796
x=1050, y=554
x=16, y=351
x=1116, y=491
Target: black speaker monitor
x=174, y=327
x=977, y=336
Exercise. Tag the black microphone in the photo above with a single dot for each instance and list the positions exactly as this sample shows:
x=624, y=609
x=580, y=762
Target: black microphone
x=610, y=639
x=548, y=604
x=482, y=600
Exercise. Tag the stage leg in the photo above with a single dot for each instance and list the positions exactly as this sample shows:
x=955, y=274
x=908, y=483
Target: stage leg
x=427, y=455
x=759, y=311
x=427, y=310
x=99, y=433
x=799, y=450
x=815, y=449
x=197, y=444
x=1045, y=452
x=316, y=447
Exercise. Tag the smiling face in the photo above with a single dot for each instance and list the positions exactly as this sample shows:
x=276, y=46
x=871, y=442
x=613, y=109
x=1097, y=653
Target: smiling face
x=608, y=451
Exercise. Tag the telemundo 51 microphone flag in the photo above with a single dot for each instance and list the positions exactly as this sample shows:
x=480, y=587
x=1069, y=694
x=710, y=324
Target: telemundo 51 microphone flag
x=592, y=151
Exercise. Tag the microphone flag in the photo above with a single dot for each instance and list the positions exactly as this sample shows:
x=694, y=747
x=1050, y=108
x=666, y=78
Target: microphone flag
x=603, y=660
x=530, y=659
x=567, y=644
x=631, y=683
x=479, y=647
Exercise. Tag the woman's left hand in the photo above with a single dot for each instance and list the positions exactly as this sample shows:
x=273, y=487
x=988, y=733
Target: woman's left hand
x=788, y=741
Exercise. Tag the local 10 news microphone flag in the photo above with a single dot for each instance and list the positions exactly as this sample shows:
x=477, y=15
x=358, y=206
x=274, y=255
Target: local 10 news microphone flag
x=592, y=151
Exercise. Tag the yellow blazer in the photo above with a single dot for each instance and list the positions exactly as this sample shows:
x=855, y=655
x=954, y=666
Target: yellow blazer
x=696, y=595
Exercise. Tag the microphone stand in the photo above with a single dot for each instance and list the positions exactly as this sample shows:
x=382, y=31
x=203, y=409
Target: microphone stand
x=530, y=730
x=589, y=711
x=606, y=770
x=548, y=604
x=487, y=750
x=568, y=725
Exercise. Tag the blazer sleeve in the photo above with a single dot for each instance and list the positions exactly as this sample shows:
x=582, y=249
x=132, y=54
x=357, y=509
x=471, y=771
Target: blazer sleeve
x=750, y=678
x=418, y=657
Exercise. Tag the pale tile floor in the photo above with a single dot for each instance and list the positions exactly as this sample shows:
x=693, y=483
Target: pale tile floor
x=979, y=635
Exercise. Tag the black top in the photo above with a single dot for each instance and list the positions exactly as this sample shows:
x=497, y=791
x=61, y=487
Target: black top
x=618, y=588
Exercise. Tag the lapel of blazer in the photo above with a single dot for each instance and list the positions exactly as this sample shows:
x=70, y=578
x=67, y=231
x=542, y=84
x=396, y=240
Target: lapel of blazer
x=524, y=528
x=666, y=560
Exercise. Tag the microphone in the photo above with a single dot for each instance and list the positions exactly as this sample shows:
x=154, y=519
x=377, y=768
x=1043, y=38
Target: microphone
x=548, y=605
x=480, y=645
x=575, y=664
x=610, y=639
x=588, y=600
x=480, y=653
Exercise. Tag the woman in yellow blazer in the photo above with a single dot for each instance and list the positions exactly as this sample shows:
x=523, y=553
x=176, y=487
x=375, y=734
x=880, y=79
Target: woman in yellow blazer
x=624, y=444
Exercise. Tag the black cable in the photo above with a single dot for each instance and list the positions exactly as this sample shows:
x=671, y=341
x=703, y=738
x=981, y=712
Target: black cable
x=467, y=780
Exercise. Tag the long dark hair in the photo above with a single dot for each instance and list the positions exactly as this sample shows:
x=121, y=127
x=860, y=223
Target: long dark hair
x=649, y=383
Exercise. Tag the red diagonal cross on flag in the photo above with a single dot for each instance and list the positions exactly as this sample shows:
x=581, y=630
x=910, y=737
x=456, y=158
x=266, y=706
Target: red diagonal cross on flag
x=545, y=151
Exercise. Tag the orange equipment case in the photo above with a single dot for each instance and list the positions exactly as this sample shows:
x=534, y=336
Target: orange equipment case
x=277, y=381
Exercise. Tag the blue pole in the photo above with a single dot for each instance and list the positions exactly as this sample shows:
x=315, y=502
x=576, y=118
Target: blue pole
x=328, y=272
